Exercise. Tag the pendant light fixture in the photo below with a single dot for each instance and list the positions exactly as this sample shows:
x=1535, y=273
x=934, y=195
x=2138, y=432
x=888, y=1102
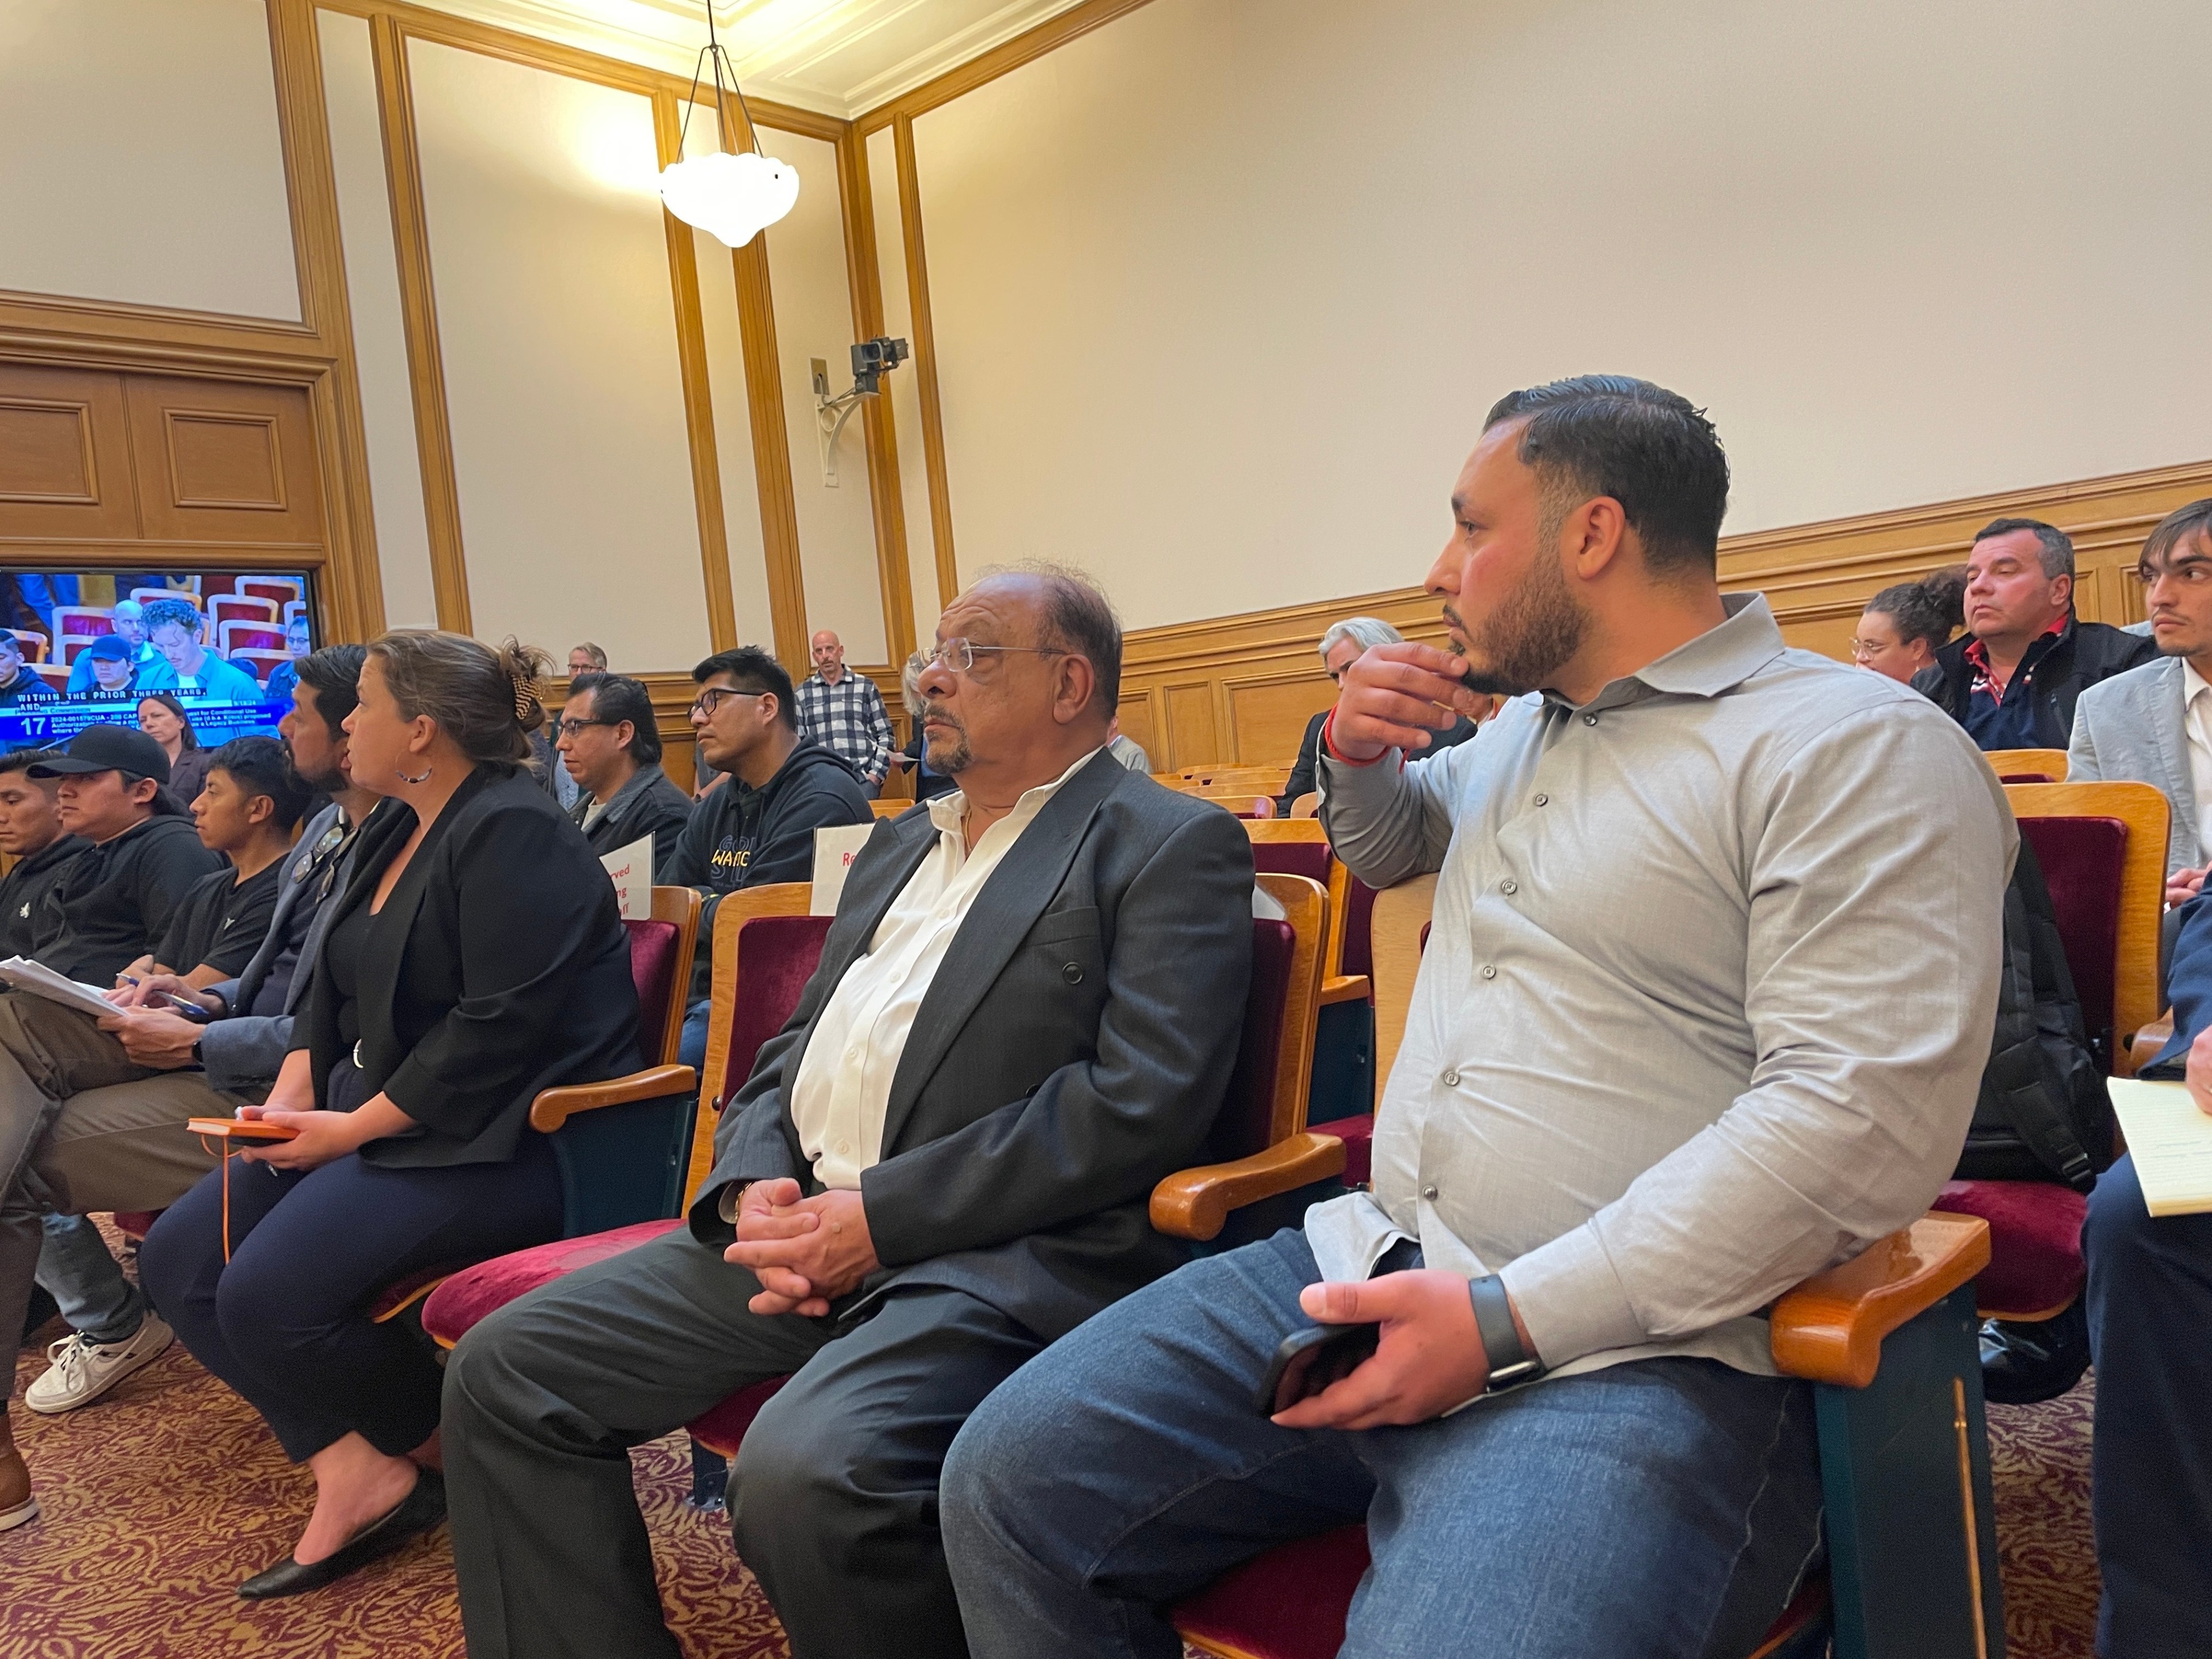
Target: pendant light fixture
x=731, y=198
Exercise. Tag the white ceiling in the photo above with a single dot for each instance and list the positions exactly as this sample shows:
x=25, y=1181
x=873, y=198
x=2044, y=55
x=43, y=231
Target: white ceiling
x=838, y=57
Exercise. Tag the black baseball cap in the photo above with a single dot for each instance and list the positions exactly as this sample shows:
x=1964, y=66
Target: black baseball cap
x=112, y=646
x=108, y=749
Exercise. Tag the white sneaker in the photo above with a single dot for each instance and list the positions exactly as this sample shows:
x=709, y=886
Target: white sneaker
x=84, y=1370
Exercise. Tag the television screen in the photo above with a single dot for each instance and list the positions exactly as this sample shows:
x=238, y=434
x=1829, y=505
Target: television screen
x=80, y=647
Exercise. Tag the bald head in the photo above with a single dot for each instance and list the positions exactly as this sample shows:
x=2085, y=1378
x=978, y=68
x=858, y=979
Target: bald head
x=828, y=653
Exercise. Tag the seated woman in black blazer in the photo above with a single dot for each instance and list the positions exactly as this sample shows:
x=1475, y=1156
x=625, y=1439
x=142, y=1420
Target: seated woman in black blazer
x=476, y=959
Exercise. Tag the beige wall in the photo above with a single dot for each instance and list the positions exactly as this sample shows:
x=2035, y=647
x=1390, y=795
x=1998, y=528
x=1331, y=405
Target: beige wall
x=1222, y=290
x=140, y=158
x=903, y=388
x=563, y=382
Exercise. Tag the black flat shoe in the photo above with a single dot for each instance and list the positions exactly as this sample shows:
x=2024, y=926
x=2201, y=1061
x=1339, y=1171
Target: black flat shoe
x=2023, y=1365
x=418, y=1513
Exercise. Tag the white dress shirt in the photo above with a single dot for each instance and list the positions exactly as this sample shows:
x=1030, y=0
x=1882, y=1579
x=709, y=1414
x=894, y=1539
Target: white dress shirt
x=844, y=1081
x=2196, y=722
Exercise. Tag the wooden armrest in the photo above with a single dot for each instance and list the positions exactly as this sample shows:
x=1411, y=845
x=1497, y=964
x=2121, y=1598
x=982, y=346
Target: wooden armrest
x=554, y=1106
x=1196, y=1203
x=1830, y=1328
x=2143, y=1047
x=1343, y=987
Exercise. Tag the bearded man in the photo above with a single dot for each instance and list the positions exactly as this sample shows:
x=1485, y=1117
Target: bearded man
x=1704, y=1010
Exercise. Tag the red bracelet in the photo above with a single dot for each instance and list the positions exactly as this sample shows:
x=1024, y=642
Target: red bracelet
x=1329, y=742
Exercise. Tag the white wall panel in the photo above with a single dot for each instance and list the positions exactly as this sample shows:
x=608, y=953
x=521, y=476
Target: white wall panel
x=734, y=429
x=557, y=325
x=379, y=338
x=903, y=388
x=140, y=158
x=814, y=318
x=1222, y=290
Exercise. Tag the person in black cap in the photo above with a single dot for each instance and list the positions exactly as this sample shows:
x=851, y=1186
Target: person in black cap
x=106, y=670
x=118, y=896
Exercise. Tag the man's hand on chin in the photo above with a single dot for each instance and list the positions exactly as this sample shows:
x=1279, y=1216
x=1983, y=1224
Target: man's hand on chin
x=807, y=1252
x=1431, y=1358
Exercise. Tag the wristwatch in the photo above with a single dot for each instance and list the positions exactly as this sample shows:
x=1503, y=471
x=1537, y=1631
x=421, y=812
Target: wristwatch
x=1510, y=1363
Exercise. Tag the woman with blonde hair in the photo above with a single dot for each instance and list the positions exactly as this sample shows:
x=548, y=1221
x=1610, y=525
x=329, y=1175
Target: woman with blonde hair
x=476, y=958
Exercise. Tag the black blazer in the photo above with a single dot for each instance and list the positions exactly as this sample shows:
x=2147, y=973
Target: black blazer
x=2090, y=653
x=498, y=966
x=1072, y=1050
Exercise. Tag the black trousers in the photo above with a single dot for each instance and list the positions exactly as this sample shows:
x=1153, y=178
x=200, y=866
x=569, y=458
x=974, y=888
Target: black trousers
x=2151, y=1332
x=285, y=1321
x=833, y=1499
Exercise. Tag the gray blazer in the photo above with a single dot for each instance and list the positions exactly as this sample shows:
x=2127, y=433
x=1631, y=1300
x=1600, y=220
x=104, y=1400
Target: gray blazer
x=2130, y=728
x=248, y=1048
x=1072, y=1050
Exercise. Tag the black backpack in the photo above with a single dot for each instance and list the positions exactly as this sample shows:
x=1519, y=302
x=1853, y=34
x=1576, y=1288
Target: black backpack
x=2044, y=1113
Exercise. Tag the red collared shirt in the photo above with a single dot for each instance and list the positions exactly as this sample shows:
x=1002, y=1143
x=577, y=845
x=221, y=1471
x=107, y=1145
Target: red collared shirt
x=1986, y=680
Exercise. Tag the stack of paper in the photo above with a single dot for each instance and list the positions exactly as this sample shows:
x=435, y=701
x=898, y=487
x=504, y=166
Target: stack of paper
x=22, y=974
x=2171, y=1139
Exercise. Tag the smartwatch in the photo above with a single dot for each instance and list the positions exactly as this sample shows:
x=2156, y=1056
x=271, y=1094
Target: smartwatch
x=1510, y=1363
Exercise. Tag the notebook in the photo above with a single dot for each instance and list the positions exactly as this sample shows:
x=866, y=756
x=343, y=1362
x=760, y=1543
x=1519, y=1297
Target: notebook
x=2172, y=1142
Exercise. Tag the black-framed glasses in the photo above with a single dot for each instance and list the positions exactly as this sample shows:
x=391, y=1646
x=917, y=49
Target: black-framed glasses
x=959, y=655
x=714, y=696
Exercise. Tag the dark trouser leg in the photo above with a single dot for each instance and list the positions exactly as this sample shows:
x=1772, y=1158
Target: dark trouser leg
x=285, y=1321
x=2150, y=1309
x=833, y=1500
x=1664, y=1508
x=544, y=1401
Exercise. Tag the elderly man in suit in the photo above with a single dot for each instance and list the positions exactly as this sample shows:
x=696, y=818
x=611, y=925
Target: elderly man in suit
x=93, y=1118
x=1026, y=1014
x=2153, y=724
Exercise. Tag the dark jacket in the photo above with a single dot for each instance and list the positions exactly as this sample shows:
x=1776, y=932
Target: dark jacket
x=113, y=901
x=739, y=836
x=25, y=890
x=188, y=775
x=1305, y=776
x=499, y=966
x=648, y=805
x=927, y=784
x=1073, y=1049
x=2087, y=652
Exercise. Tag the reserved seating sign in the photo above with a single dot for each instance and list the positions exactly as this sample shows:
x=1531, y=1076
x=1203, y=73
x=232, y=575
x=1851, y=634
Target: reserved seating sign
x=631, y=868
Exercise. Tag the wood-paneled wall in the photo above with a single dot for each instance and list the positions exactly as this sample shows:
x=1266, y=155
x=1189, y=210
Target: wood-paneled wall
x=1240, y=689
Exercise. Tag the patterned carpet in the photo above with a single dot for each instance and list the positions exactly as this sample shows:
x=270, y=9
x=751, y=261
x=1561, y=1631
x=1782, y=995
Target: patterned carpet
x=160, y=1498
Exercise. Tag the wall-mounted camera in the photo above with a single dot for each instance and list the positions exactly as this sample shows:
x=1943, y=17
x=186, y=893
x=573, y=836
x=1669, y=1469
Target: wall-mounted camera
x=872, y=360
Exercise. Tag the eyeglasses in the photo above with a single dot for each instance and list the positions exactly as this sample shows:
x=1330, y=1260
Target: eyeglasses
x=1862, y=649
x=570, y=723
x=705, y=703
x=959, y=655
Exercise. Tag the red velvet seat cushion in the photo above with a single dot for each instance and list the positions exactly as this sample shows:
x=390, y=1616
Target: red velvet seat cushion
x=722, y=1429
x=137, y=1224
x=470, y=1295
x=2081, y=859
x=776, y=956
x=1308, y=859
x=2035, y=1242
x=1357, y=1135
x=1359, y=929
x=653, y=966
x=1247, y=1112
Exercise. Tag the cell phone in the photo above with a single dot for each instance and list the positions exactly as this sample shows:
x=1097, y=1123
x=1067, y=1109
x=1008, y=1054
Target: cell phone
x=1309, y=1360
x=241, y=1128
x=191, y=1010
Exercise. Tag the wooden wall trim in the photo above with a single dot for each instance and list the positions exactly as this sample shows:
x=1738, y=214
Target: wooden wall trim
x=893, y=573
x=355, y=589
x=418, y=309
x=779, y=502
x=698, y=394
x=1025, y=47
x=924, y=361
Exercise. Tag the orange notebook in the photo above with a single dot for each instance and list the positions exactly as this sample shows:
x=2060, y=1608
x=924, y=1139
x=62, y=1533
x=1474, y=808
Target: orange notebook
x=240, y=1128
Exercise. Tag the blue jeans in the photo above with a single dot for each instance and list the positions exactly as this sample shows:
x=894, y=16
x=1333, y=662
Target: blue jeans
x=691, y=1051
x=2150, y=1311
x=1666, y=1507
x=83, y=1276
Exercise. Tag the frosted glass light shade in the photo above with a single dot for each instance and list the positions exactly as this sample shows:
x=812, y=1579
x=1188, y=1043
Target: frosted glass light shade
x=731, y=198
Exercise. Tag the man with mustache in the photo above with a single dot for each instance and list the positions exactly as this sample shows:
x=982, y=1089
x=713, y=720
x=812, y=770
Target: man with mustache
x=1647, y=1084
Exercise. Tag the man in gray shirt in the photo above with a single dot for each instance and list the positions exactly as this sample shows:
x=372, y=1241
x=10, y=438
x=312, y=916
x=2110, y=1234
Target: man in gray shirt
x=1703, y=1010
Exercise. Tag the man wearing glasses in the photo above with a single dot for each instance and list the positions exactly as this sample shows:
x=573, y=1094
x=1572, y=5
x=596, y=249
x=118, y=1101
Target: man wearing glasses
x=1341, y=647
x=760, y=827
x=1025, y=1015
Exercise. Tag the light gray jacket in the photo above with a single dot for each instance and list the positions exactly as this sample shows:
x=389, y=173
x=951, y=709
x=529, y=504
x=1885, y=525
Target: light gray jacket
x=2130, y=728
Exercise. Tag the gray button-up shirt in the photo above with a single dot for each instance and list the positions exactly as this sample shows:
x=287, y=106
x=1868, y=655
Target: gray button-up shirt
x=1706, y=998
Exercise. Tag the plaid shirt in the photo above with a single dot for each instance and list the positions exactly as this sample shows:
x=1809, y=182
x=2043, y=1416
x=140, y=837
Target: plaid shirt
x=847, y=718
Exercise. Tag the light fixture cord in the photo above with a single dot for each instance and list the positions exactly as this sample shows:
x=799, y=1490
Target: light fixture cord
x=713, y=54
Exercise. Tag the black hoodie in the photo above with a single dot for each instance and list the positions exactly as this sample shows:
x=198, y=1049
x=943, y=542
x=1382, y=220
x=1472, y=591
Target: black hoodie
x=114, y=901
x=744, y=837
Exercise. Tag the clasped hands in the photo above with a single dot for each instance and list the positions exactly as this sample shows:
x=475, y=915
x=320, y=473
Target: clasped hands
x=1395, y=695
x=807, y=1252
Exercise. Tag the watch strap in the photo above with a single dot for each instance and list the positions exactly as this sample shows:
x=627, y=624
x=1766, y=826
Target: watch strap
x=1510, y=1363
